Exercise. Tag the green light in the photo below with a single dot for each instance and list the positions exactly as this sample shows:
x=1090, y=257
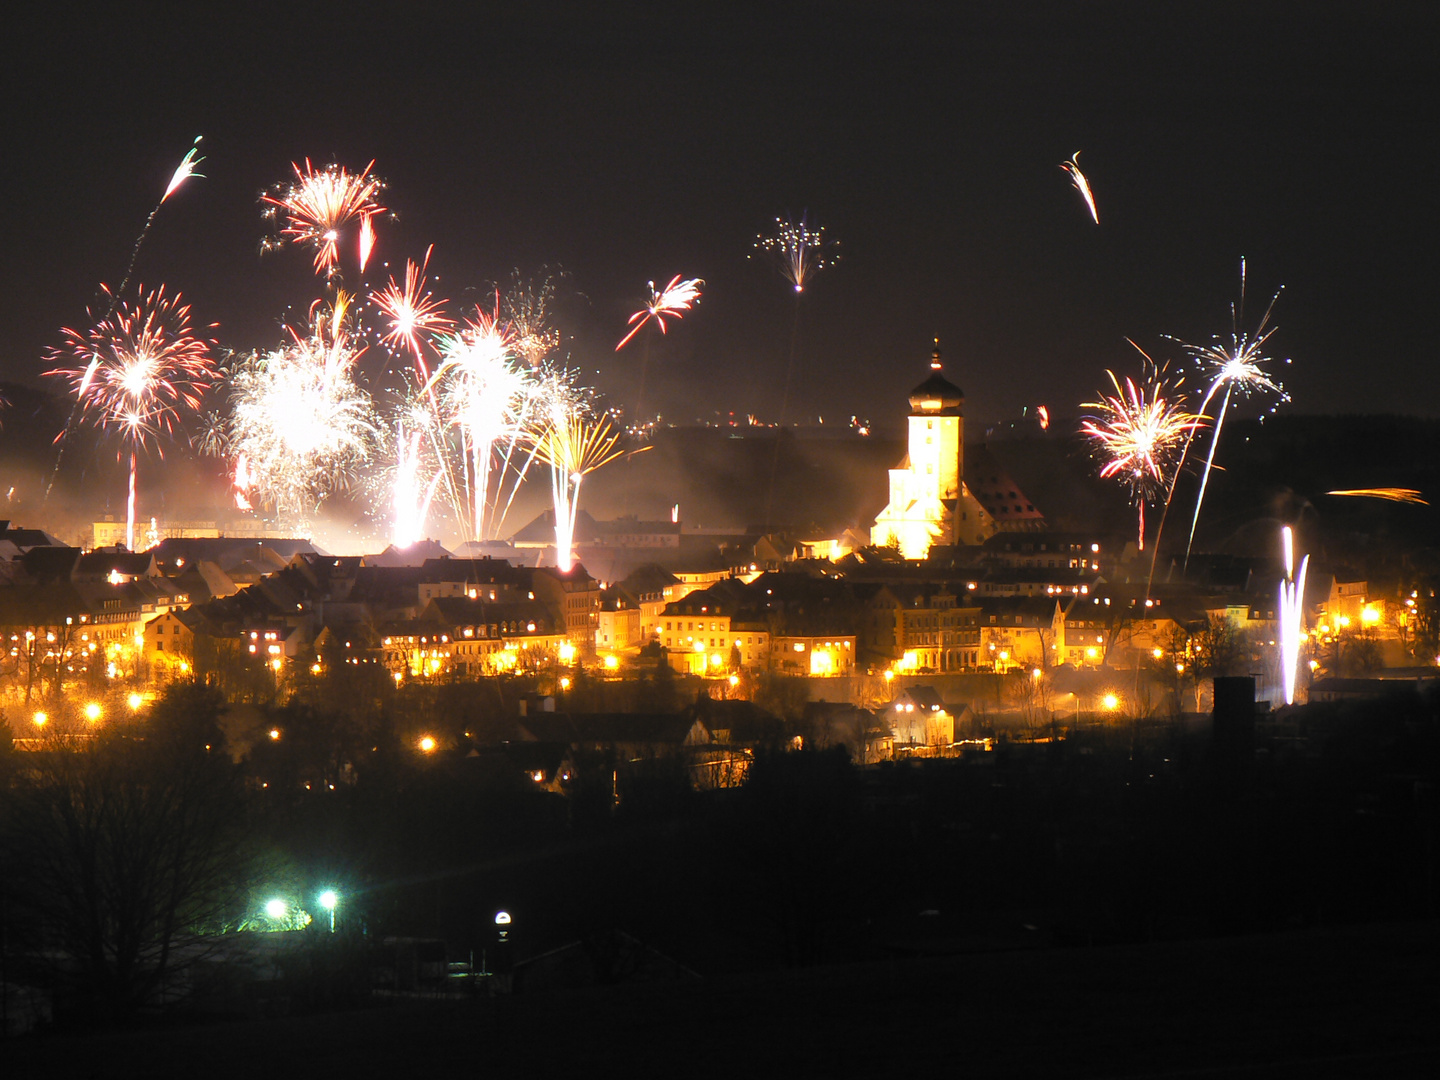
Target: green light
x=328, y=899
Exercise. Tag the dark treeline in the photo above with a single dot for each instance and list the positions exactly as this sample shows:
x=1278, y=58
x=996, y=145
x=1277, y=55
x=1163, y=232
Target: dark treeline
x=129, y=856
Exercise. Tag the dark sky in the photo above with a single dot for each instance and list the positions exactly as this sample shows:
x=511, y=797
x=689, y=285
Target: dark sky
x=624, y=142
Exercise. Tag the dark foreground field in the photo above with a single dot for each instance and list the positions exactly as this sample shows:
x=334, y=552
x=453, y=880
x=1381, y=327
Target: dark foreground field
x=1355, y=1001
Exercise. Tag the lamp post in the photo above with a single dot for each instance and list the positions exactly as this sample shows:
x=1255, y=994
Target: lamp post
x=329, y=900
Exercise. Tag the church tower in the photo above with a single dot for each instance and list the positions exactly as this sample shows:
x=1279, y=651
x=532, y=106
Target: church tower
x=929, y=503
x=937, y=437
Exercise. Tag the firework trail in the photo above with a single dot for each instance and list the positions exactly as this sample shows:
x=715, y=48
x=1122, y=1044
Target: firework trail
x=1400, y=495
x=300, y=428
x=1237, y=366
x=672, y=301
x=1082, y=185
x=134, y=372
x=183, y=172
x=1292, y=614
x=526, y=308
x=1139, y=436
x=573, y=447
x=316, y=206
x=798, y=250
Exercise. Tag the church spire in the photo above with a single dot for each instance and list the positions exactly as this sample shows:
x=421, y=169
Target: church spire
x=935, y=357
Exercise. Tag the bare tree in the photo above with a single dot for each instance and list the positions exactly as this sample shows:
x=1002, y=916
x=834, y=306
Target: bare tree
x=121, y=853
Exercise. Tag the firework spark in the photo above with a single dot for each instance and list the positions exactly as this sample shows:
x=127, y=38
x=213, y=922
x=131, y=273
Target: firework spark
x=1139, y=434
x=185, y=169
x=1399, y=495
x=317, y=205
x=135, y=371
x=412, y=312
x=1292, y=614
x=1082, y=185
x=1237, y=366
x=300, y=423
x=798, y=250
x=573, y=447
x=672, y=301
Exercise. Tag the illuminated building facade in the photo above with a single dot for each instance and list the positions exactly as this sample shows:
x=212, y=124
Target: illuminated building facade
x=929, y=503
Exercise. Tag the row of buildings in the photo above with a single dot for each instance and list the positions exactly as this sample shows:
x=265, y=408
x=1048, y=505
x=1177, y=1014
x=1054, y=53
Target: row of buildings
x=1035, y=601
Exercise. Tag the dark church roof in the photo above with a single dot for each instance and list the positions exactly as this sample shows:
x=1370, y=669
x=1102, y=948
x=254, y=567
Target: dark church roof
x=937, y=395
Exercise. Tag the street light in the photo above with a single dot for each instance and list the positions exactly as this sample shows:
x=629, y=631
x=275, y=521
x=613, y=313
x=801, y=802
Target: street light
x=328, y=900
x=93, y=711
x=276, y=908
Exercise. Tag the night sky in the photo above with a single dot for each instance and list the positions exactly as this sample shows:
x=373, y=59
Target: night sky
x=631, y=142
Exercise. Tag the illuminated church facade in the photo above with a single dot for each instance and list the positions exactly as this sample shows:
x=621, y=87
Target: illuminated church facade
x=929, y=502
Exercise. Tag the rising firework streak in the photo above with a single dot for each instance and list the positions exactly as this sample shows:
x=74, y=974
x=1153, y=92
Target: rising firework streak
x=1082, y=185
x=1239, y=367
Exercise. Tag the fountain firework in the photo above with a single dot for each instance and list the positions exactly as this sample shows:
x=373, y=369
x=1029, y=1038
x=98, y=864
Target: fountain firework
x=485, y=397
x=1292, y=614
x=573, y=446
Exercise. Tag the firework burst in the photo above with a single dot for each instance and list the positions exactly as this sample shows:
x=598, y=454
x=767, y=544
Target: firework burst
x=526, y=307
x=798, y=250
x=413, y=312
x=672, y=301
x=300, y=427
x=318, y=205
x=135, y=371
x=1139, y=434
x=1237, y=366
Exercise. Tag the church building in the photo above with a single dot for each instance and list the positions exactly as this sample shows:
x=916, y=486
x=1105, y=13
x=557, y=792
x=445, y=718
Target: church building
x=929, y=502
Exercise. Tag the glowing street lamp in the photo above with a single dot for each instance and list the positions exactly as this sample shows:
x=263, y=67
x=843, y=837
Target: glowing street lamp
x=427, y=744
x=93, y=712
x=40, y=719
x=135, y=701
x=276, y=909
x=329, y=900
x=1111, y=702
